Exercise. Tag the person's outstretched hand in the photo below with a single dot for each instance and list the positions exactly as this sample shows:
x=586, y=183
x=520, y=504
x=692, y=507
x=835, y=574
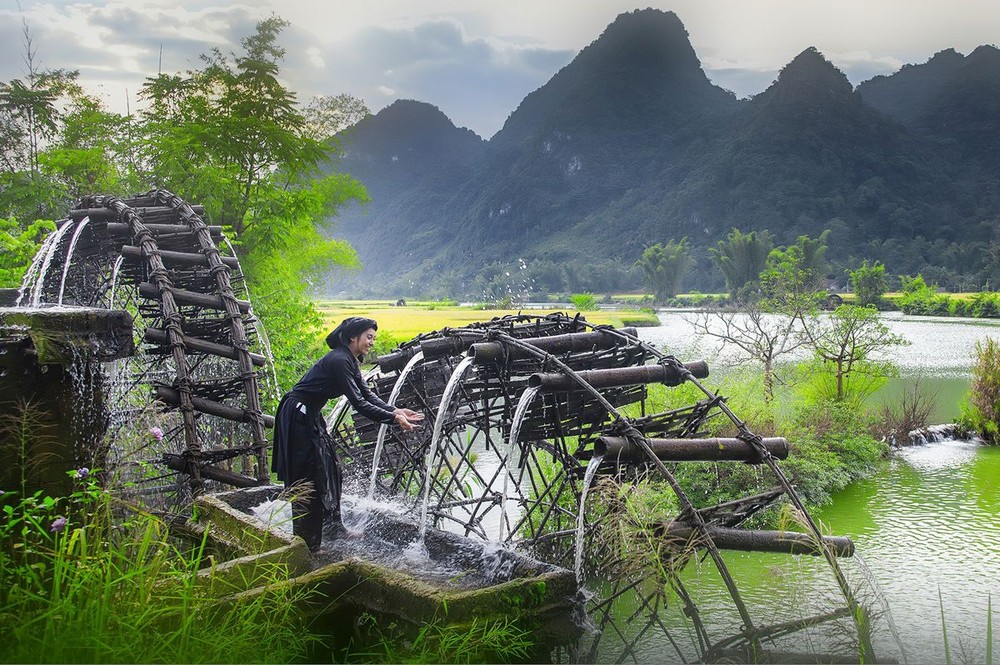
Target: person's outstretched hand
x=412, y=416
x=408, y=422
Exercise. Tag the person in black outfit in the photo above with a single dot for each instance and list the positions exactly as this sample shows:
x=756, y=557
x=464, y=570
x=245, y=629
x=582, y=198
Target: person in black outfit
x=303, y=450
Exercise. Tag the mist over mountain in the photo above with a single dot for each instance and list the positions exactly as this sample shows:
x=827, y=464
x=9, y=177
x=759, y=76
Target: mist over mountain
x=631, y=144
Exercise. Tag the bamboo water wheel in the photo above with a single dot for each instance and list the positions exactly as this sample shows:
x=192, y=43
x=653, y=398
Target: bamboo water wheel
x=527, y=415
x=201, y=369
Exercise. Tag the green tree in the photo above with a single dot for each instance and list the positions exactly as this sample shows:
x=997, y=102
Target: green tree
x=327, y=115
x=17, y=248
x=665, y=267
x=847, y=342
x=30, y=117
x=792, y=283
x=234, y=139
x=869, y=283
x=742, y=257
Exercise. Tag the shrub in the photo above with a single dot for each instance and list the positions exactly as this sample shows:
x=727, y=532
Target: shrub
x=584, y=302
x=981, y=410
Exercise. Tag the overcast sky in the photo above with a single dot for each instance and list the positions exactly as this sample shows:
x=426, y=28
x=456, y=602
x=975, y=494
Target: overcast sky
x=474, y=59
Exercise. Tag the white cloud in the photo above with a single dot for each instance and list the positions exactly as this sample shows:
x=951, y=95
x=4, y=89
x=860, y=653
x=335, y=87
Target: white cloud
x=476, y=61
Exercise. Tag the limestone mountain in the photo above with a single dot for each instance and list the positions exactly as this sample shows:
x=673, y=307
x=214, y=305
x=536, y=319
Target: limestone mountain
x=631, y=144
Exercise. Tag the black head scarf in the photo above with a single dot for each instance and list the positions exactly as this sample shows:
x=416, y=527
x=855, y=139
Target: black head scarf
x=348, y=329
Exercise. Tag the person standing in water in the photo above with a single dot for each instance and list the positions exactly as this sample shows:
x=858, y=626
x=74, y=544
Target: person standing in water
x=303, y=450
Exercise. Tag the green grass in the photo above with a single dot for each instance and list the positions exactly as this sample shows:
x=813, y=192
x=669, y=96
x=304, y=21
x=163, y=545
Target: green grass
x=85, y=580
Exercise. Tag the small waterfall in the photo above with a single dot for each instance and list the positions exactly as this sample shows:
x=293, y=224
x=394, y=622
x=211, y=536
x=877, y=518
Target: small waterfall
x=449, y=392
x=384, y=428
x=69, y=256
x=46, y=261
x=31, y=276
x=515, y=431
x=588, y=478
x=114, y=279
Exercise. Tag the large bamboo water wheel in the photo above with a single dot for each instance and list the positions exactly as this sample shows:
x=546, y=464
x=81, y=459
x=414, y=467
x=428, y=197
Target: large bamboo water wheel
x=538, y=426
x=187, y=407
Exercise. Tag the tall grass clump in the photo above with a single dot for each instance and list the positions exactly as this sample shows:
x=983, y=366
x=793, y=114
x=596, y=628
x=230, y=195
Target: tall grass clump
x=81, y=583
x=981, y=410
x=480, y=641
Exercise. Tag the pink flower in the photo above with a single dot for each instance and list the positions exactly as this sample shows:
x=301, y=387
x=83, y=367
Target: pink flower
x=58, y=524
x=157, y=433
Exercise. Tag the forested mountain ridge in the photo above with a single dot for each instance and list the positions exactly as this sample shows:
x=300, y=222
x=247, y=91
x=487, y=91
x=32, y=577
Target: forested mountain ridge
x=631, y=144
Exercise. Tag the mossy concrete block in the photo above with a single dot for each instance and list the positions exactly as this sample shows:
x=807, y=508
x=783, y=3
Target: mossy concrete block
x=62, y=335
x=254, y=570
x=481, y=580
x=51, y=376
x=243, y=529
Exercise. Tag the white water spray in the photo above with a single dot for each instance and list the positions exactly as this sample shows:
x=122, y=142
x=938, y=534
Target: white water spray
x=442, y=414
x=515, y=432
x=588, y=478
x=384, y=428
x=31, y=276
x=49, y=251
x=69, y=256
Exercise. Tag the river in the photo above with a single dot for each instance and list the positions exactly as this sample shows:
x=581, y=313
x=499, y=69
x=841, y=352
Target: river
x=926, y=526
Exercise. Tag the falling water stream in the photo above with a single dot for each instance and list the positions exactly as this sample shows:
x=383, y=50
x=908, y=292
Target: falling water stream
x=36, y=291
x=114, y=280
x=31, y=277
x=449, y=391
x=69, y=256
x=588, y=478
x=515, y=432
x=384, y=428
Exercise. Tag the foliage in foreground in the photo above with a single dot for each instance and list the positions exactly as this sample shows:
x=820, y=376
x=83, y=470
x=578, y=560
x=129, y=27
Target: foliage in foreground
x=481, y=641
x=79, y=586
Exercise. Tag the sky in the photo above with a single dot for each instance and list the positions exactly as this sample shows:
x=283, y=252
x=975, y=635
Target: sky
x=473, y=59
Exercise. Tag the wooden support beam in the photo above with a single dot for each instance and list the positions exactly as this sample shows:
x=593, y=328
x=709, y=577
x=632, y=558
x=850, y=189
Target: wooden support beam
x=177, y=463
x=132, y=253
x=184, y=297
x=747, y=540
x=620, y=449
x=159, y=336
x=123, y=229
x=172, y=397
x=110, y=214
x=616, y=377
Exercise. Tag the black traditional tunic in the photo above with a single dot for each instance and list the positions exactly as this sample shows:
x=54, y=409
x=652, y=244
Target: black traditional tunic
x=303, y=450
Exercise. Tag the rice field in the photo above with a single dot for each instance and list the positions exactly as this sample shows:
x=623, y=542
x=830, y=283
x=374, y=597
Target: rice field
x=404, y=323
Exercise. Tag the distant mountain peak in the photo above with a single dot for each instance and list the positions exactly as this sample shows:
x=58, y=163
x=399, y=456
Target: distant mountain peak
x=408, y=127
x=810, y=68
x=645, y=38
x=414, y=115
